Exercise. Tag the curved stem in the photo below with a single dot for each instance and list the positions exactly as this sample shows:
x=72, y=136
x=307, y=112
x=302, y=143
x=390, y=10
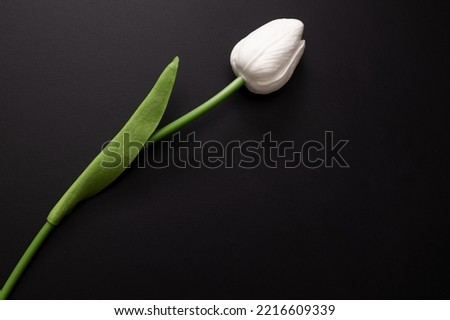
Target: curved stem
x=25, y=260
x=157, y=135
x=197, y=112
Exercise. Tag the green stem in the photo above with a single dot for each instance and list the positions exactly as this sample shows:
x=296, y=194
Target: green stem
x=197, y=112
x=157, y=135
x=25, y=260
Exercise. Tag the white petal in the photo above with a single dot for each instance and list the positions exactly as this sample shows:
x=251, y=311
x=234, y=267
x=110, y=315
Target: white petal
x=267, y=57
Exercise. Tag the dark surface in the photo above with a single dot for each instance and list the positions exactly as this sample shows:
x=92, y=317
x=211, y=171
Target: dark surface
x=374, y=72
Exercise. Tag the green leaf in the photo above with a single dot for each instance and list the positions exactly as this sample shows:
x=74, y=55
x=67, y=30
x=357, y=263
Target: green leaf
x=122, y=149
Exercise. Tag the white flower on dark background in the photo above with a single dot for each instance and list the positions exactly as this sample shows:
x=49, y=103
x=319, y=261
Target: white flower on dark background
x=268, y=56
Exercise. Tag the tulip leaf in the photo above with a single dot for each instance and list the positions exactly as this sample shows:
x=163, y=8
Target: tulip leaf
x=120, y=152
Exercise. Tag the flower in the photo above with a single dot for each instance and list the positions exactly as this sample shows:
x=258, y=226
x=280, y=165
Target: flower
x=263, y=61
x=267, y=57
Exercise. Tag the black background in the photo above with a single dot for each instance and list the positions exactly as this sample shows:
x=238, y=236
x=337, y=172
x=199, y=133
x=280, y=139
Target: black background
x=374, y=72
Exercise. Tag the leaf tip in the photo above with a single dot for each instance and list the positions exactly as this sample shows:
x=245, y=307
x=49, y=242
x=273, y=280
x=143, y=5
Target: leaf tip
x=176, y=60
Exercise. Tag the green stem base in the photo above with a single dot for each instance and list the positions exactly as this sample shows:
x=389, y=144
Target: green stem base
x=25, y=260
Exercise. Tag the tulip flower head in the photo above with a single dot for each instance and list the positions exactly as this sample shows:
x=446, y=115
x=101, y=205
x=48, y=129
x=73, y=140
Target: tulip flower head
x=267, y=57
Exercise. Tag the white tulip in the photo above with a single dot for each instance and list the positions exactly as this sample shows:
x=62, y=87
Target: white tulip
x=267, y=57
x=263, y=61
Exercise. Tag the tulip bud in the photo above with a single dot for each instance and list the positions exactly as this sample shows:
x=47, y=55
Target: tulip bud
x=267, y=57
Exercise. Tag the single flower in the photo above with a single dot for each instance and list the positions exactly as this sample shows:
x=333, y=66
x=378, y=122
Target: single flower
x=267, y=57
x=264, y=61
